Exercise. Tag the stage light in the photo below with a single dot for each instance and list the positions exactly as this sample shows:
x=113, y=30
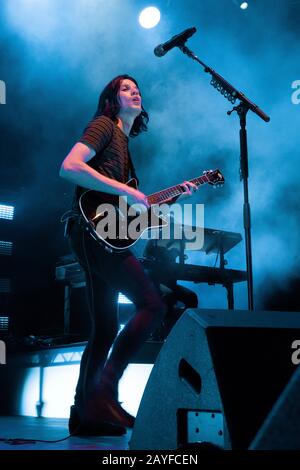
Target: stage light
x=5, y=286
x=6, y=248
x=56, y=382
x=4, y=322
x=6, y=212
x=149, y=17
x=244, y=5
x=122, y=299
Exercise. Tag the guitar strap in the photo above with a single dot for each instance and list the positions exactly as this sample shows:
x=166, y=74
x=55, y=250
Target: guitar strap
x=132, y=169
x=131, y=165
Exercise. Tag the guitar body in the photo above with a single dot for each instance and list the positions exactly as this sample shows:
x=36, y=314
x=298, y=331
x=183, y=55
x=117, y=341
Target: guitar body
x=112, y=221
x=118, y=225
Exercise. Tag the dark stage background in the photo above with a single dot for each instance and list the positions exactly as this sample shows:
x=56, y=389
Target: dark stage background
x=55, y=57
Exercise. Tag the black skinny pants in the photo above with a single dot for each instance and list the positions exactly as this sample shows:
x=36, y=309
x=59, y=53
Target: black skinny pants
x=106, y=275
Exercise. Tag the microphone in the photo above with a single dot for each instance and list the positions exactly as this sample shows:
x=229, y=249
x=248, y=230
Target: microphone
x=175, y=41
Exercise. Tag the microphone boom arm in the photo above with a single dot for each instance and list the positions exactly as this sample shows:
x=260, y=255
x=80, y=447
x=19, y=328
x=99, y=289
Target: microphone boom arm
x=232, y=94
x=225, y=88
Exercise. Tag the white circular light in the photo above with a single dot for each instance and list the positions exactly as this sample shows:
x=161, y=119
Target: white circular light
x=244, y=5
x=149, y=17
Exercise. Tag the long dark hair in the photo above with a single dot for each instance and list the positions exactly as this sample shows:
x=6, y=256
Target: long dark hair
x=108, y=105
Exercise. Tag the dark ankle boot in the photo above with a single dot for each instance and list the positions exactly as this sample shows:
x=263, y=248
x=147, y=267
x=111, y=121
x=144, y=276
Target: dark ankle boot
x=106, y=407
x=82, y=427
x=104, y=401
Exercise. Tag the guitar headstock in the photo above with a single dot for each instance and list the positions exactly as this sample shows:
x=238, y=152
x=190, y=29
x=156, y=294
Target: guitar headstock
x=215, y=177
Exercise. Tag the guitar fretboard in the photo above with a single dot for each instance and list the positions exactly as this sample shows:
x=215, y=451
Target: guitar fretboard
x=167, y=194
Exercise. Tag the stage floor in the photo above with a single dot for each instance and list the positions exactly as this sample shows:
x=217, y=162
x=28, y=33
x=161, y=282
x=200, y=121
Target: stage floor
x=13, y=429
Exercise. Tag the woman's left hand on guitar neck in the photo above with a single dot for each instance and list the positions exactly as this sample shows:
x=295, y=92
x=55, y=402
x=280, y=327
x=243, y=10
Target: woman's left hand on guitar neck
x=188, y=190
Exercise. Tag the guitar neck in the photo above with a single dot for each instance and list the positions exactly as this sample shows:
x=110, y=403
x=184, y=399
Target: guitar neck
x=166, y=194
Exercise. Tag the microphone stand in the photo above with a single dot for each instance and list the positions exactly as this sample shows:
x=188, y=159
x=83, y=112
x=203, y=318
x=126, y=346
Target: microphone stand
x=230, y=93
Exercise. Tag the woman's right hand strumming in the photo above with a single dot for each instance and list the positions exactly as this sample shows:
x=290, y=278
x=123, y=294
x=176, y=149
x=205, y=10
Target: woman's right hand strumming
x=134, y=196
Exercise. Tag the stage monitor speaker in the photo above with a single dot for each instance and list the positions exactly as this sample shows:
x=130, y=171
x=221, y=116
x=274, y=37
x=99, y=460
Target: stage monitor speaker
x=281, y=429
x=216, y=379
